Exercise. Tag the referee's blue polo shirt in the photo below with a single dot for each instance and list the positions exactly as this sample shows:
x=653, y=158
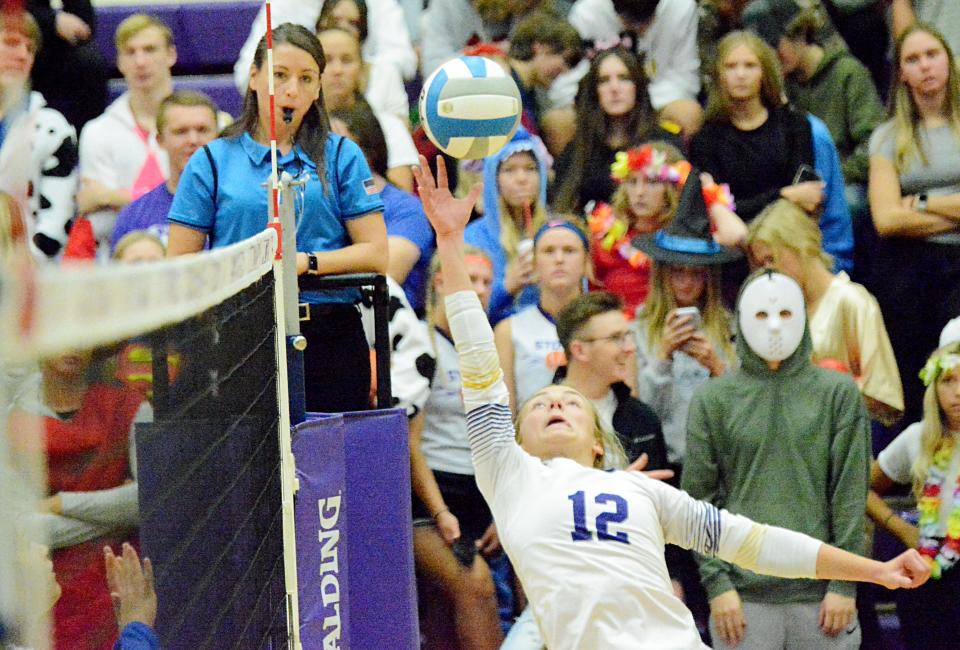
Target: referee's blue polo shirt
x=239, y=209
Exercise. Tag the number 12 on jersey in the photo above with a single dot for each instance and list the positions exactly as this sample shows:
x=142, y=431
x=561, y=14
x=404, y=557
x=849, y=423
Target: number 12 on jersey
x=580, y=531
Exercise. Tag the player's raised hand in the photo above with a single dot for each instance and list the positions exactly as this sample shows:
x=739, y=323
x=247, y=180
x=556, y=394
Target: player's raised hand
x=448, y=215
x=906, y=571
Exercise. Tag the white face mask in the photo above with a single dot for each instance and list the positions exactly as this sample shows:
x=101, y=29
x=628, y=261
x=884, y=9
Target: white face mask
x=772, y=316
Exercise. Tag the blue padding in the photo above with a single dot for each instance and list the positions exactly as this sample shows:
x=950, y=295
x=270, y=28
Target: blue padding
x=208, y=35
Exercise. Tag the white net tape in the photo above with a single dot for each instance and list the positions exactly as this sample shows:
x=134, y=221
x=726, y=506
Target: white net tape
x=59, y=309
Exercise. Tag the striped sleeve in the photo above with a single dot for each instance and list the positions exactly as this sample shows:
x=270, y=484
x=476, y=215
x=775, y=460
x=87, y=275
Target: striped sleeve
x=710, y=531
x=485, y=397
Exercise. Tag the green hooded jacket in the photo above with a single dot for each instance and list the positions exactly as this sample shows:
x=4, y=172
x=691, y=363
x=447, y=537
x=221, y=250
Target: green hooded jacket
x=788, y=448
x=842, y=94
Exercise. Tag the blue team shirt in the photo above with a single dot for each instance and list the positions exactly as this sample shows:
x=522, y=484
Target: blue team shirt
x=404, y=217
x=149, y=213
x=239, y=210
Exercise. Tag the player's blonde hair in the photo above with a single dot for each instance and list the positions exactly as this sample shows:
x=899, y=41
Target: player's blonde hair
x=613, y=455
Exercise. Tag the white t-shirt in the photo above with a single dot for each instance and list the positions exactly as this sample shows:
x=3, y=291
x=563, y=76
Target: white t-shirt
x=897, y=461
x=444, y=438
x=606, y=407
x=535, y=351
x=401, y=152
x=385, y=91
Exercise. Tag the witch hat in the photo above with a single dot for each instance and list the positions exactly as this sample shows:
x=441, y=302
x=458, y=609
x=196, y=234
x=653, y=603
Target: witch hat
x=687, y=240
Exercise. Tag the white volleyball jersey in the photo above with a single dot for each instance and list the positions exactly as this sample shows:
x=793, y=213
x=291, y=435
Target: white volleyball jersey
x=537, y=352
x=588, y=545
x=444, y=438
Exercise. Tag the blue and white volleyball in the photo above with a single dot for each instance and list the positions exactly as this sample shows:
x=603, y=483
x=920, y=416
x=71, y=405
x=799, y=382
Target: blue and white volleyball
x=470, y=107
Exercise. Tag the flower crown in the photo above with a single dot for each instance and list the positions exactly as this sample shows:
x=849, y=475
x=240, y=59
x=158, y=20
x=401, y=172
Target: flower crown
x=652, y=163
x=937, y=366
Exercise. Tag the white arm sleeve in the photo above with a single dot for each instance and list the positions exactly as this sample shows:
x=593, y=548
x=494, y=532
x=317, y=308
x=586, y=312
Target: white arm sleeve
x=496, y=455
x=702, y=527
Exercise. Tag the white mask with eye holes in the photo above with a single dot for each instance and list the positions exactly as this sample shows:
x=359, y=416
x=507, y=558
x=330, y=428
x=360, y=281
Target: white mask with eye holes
x=772, y=316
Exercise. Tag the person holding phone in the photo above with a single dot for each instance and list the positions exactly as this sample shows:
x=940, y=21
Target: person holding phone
x=683, y=331
x=766, y=150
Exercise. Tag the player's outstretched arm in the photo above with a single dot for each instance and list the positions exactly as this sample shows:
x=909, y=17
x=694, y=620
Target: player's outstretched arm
x=774, y=551
x=906, y=571
x=485, y=397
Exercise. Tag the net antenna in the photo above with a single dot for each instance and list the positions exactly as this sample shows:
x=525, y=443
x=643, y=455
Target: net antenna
x=290, y=342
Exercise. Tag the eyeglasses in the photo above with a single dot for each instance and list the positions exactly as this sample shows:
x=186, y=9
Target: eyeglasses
x=619, y=338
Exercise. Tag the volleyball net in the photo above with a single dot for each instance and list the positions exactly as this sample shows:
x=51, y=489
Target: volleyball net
x=200, y=339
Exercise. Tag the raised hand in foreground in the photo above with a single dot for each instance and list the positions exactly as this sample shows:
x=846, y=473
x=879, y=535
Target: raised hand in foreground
x=131, y=587
x=447, y=214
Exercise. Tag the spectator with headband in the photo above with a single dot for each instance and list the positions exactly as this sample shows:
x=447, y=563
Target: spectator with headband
x=648, y=180
x=221, y=198
x=783, y=442
x=514, y=208
x=926, y=457
x=915, y=200
x=530, y=352
x=120, y=159
x=187, y=120
x=38, y=147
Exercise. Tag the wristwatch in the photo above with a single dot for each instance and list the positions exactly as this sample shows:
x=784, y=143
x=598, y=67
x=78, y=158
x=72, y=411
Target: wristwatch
x=313, y=264
x=922, y=202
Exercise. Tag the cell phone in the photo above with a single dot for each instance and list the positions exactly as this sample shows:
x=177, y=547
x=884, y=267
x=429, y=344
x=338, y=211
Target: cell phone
x=806, y=173
x=694, y=313
x=465, y=551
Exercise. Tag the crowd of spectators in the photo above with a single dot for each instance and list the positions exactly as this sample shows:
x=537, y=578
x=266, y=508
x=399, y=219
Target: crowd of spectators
x=667, y=149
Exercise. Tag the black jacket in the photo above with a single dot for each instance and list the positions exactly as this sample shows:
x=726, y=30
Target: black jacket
x=638, y=428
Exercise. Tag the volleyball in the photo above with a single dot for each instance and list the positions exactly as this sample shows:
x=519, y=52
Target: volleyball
x=470, y=107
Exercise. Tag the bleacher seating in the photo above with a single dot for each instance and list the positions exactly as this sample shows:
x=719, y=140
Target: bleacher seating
x=208, y=36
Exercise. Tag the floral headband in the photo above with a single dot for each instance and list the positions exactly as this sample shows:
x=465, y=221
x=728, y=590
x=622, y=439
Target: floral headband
x=652, y=163
x=937, y=366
